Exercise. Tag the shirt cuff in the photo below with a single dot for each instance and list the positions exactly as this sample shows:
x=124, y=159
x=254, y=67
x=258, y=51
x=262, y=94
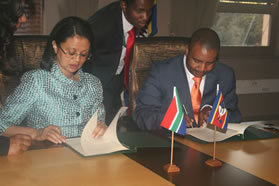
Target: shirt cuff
x=4, y=145
x=206, y=106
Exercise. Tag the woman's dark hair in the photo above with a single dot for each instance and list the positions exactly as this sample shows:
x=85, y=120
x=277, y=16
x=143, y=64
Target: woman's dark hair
x=10, y=12
x=64, y=29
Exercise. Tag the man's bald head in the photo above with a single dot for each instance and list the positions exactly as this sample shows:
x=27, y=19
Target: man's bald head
x=206, y=38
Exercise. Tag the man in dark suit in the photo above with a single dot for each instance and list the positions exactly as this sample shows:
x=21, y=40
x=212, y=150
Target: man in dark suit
x=110, y=26
x=199, y=62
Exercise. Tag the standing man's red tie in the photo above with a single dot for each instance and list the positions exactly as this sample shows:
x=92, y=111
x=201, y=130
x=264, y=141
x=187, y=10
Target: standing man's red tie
x=129, y=46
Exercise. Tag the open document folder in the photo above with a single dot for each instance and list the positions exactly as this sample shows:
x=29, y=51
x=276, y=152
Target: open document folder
x=206, y=134
x=86, y=145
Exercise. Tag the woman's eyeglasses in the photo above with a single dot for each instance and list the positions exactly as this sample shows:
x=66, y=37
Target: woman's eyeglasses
x=72, y=55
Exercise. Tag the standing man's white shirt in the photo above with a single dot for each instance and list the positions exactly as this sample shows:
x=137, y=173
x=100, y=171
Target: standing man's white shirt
x=126, y=28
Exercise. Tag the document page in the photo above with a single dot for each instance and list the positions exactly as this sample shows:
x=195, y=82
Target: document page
x=89, y=146
x=207, y=134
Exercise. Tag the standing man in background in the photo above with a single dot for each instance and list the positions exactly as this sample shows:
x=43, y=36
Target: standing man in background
x=114, y=28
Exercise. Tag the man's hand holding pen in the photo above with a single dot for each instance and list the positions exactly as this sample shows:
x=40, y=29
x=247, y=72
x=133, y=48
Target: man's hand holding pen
x=189, y=121
x=203, y=116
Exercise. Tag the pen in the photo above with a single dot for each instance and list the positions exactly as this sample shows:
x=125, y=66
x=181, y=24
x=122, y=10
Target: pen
x=184, y=108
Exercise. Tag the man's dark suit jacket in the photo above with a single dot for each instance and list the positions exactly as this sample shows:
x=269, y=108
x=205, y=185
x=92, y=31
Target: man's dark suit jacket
x=155, y=95
x=4, y=145
x=108, y=34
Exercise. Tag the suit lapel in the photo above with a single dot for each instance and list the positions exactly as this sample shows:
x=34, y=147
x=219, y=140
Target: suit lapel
x=182, y=85
x=118, y=39
x=209, y=92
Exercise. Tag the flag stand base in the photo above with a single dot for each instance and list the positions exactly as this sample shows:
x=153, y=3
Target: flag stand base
x=213, y=163
x=171, y=168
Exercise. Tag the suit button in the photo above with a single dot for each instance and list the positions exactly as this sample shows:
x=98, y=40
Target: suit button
x=75, y=97
x=78, y=114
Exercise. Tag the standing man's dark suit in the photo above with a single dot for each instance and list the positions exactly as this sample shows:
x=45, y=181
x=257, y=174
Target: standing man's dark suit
x=109, y=45
x=156, y=94
x=107, y=29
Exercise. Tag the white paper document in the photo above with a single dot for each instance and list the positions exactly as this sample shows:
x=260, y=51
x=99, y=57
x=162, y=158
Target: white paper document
x=86, y=145
x=207, y=134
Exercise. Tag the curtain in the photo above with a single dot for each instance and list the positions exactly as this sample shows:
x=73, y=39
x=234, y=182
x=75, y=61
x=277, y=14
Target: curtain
x=80, y=8
x=189, y=15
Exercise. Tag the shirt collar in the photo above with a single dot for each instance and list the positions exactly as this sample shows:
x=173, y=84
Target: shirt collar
x=126, y=25
x=57, y=73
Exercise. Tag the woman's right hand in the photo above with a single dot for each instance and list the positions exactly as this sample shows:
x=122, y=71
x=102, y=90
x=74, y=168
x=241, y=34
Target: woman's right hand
x=51, y=133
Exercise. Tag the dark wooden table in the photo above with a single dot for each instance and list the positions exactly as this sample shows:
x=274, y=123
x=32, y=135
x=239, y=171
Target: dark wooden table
x=193, y=170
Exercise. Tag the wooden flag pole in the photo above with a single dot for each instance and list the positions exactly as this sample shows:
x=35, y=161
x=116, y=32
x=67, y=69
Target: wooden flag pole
x=172, y=136
x=214, y=146
x=170, y=167
x=213, y=162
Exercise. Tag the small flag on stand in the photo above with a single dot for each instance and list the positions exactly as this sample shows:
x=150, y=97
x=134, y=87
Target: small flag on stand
x=174, y=118
x=152, y=26
x=219, y=118
x=150, y=29
x=219, y=115
x=174, y=121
